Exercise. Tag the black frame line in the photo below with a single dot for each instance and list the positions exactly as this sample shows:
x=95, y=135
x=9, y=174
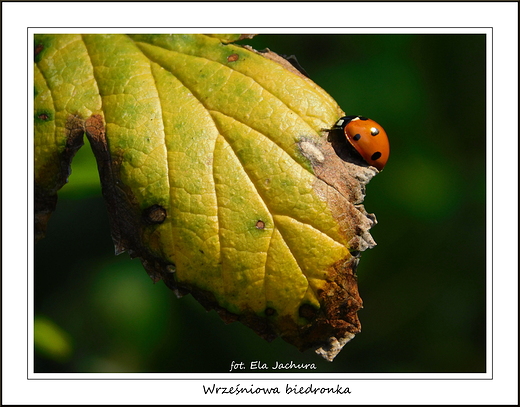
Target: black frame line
x=489, y=53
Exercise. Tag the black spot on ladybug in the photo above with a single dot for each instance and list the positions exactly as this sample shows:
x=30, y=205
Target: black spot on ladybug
x=260, y=224
x=374, y=131
x=154, y=214
x=356, y=137
x=375, y=156
x=269, y=311
x=363, y=118
x=307, y=311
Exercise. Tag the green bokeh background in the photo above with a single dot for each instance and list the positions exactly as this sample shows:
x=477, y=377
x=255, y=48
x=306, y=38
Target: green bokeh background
x=423, y=286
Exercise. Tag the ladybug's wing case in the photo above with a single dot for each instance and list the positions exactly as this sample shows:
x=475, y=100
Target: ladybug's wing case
x=367, y=137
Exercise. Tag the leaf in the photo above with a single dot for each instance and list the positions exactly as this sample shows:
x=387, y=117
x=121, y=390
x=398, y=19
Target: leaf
x=217, y=174
x=65, y=92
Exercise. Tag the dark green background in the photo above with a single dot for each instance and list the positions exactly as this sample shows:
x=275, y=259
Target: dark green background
x=423, y=286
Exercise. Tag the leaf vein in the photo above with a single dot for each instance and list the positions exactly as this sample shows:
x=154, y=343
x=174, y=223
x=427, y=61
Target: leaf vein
x=165, y=144
x=200, y=100
x=264, y=201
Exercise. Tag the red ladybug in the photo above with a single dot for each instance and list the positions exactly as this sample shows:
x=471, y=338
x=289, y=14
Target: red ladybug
x=367, y=137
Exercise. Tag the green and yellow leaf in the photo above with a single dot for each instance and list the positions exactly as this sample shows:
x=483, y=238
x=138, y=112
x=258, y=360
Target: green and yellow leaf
x=217, y=173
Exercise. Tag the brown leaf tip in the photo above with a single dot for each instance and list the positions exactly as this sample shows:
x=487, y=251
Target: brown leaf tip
x=246, y=36
x=334, y=346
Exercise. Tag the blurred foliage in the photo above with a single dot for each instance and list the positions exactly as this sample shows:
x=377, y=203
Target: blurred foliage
x=50, y=340
x=423, y=286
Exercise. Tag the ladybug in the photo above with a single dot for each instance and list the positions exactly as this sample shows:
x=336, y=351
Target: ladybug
x=367, y=137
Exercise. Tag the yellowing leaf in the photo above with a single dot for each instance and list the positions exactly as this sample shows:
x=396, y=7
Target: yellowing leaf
x=65, y=92
x=218, y=173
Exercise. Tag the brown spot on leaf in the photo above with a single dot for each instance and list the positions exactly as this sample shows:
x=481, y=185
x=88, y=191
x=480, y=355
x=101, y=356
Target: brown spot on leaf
x=260, y=224
x=269, y=311
x=43, y=116
x=232, y=58
x=37, y=49
x=95, y=128
x=154, y=214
